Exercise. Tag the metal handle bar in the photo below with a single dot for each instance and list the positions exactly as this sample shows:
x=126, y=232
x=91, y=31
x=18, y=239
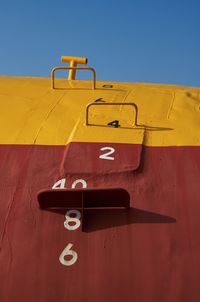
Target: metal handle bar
x=111, y=104
x=72, y=68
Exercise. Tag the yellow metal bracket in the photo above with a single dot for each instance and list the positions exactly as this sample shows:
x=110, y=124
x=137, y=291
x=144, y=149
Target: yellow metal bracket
x=73, y=61
x=112, y=104
x=72, y=68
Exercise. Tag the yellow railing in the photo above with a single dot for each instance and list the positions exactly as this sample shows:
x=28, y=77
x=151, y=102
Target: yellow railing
x=72, y=68
x=112, y=104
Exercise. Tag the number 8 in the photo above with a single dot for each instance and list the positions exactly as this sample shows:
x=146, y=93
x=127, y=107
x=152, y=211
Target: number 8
x=76, y=220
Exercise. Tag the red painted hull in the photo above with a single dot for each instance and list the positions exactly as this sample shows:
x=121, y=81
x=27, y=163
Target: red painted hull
x=148, y=253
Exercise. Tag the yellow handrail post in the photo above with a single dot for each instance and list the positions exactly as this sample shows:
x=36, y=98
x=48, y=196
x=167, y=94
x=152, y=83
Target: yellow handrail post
x=73, y=61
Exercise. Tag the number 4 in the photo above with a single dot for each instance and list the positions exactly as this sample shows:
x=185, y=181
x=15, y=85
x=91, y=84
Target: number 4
x=60, y=184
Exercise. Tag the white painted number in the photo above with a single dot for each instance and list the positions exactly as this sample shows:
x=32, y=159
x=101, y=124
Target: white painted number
x=60, y=184
x=82, y=181
x=68, y=256
x=68, y=252
x=72, y=223
x=106, y=155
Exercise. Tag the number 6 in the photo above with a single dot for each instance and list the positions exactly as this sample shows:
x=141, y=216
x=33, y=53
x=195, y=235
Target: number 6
x=67, y=251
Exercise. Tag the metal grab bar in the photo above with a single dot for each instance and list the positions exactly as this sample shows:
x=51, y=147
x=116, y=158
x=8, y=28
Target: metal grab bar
x=111, y=104
x=72, y=68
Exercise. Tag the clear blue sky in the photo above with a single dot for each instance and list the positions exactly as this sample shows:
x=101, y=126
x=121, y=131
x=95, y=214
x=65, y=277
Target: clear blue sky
x=131, y=41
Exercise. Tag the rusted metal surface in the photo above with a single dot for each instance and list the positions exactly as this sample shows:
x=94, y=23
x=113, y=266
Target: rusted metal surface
x=147, y=253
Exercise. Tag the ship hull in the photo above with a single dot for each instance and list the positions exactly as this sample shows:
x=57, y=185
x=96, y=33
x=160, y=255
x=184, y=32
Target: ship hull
x=149, y=252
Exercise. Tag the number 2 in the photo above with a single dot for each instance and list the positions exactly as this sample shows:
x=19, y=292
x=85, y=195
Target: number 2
x=106, y=155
